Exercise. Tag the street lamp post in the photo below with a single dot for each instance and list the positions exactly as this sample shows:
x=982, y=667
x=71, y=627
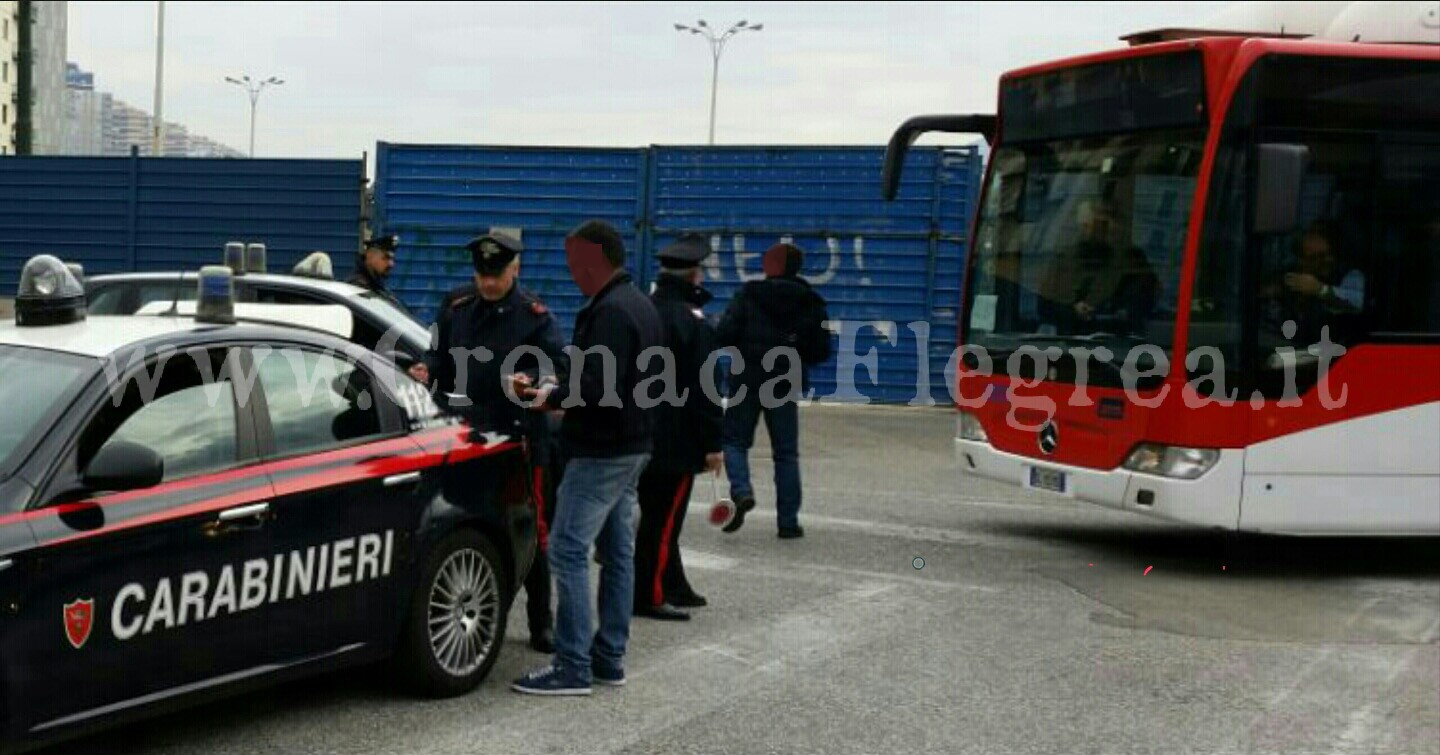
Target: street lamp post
x=717, y=48
x=253, y=88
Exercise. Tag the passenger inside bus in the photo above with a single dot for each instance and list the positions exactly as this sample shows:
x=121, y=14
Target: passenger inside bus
x=1321, y=290
x=1110, y=291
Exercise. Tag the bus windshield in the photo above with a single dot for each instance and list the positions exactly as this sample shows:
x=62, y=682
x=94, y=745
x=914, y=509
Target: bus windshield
x=1080, y=241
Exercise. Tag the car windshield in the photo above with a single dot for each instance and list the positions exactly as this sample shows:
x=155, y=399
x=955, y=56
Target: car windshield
x=1080, y=242
x=32, y=384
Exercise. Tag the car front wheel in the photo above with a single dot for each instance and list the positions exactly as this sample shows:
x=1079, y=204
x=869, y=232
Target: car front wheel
x=456, y=622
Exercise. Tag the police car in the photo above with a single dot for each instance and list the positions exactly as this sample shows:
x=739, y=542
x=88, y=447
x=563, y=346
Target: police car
x=190, y=508
x=311, y=283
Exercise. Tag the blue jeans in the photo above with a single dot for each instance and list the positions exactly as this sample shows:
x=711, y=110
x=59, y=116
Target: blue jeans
x=598, y=506
x=783, y=425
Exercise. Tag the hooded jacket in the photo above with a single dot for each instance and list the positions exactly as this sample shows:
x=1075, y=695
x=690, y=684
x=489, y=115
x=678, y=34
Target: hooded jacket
x=779, y=312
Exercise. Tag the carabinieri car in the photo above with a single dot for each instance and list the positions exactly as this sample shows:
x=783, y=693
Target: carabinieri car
x=375, y=318
x=190, y=508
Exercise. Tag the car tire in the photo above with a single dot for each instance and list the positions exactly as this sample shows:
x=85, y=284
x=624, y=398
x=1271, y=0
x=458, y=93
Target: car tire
x=455, y=625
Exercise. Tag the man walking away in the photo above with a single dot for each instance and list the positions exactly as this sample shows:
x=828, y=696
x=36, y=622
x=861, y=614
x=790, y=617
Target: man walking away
x=607, y=440
x=687, y=437
x=779, y=312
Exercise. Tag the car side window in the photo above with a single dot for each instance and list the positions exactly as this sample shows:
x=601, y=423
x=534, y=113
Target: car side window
x=316, y=401
x=412, y=401
x=265, y=295
x=109, y=300
x=178, y=409
x=129, y=298
x=151, y=293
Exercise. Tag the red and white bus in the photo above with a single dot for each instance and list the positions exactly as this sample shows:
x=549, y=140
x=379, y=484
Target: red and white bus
x=1209, y=211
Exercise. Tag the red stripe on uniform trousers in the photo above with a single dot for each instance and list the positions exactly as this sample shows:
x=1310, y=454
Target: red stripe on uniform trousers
x=540, y=525
x=680, y=495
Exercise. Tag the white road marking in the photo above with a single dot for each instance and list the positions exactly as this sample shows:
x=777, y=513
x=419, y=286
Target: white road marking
x=1367, y=722
x=686, y=683
x=887, y=529
x=705, y=561
x=1319, y=659
x=695, y=559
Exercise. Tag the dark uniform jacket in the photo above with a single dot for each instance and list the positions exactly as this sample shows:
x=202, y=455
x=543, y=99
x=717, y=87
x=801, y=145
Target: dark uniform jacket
x=782, y=312
x=362, y=278
x=468, y=322
x=621, y=319
x=685, y=434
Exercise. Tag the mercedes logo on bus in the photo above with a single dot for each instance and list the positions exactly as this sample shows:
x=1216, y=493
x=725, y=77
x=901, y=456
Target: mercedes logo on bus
x=1049, y=438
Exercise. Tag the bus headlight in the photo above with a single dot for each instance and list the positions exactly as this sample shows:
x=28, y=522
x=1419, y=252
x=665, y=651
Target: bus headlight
x=968, y=427
x=1171, y=461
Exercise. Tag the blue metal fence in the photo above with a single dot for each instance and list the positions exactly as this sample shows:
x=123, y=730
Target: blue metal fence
x=121, y=214
x=890, y=271
x=877, y=263
x=436, y=198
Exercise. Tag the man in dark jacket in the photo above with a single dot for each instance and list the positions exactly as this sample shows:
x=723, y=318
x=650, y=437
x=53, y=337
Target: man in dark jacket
x=373, y=266
x=495, y=313
x=607, y=437
x=779, y=314
x=687, y=437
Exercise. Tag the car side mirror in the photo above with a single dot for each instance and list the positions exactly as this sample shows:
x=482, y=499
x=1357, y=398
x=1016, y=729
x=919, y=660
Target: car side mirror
x=1279, y=182
x=124, y=466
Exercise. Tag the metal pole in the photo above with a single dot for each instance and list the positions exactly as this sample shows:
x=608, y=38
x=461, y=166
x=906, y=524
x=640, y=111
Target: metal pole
x=714, y=87
x=157, y=147
x=254, y=101
x=717, y=50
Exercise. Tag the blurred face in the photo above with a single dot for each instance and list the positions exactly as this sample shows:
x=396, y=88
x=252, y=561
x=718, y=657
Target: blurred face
x=379, y=262
x=495, y=287
x=1095, y=222
x=588, y=265
x=1316, y=256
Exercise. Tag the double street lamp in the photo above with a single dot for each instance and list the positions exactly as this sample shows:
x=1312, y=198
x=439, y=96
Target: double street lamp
x=717, y=48
x=253, y=88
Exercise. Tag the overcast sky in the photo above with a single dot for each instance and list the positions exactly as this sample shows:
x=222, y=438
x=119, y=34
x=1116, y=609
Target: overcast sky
x=580, y=74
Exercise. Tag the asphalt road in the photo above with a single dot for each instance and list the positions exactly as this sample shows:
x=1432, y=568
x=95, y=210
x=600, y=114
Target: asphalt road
x=1031, y=628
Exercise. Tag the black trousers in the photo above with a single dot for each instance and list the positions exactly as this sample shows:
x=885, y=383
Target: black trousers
x=537, y=582
x=664, y=499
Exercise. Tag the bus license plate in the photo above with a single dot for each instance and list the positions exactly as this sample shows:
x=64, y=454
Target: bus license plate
x=1052, y=480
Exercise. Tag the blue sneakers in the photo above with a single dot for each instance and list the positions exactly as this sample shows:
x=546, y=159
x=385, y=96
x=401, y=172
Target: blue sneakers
x=552, y=681
x=610, y=676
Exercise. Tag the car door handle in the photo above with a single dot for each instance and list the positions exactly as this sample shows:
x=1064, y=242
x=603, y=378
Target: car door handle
x=398, y=480
x=253, y=511
x=239, y=519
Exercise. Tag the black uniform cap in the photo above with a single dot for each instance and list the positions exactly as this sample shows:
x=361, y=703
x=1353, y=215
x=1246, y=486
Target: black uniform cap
x=384, y=243
x=688, y=251
x=491, y=253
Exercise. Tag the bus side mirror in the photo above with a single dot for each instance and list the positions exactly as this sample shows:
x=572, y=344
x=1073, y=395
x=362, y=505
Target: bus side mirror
x=1279, y=181
x=910, y=130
